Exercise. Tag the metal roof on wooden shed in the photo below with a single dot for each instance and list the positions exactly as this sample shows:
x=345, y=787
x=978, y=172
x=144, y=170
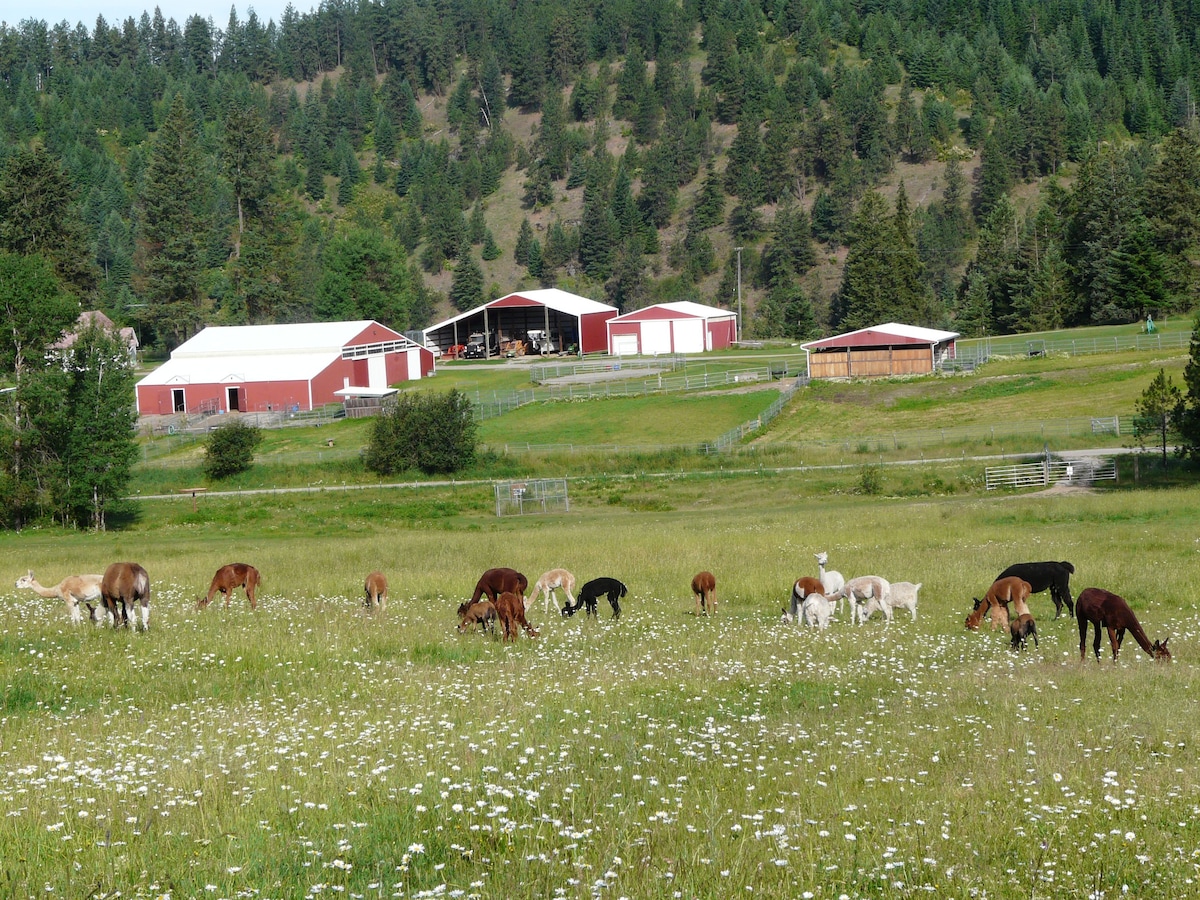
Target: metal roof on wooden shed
x=890, y=334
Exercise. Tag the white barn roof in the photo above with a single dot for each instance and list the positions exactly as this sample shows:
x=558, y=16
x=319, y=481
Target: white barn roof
x=683, y=308
x=256, y=353
x=553, y=298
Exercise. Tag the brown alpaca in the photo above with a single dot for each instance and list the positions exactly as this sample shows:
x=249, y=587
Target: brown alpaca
x=123, y=585
x=704, y=586
x=376, y=587
x=1023, y=628
x=232, y=576
x=1105, y=609
x=481, y=613
x=510, y=609
x=495, y=582
x=1002, y=592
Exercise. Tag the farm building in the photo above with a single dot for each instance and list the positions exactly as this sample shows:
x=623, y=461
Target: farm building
x=682, y=327
x=93, y=318
x=561, y=321
x=889, y=349
x=254, y=368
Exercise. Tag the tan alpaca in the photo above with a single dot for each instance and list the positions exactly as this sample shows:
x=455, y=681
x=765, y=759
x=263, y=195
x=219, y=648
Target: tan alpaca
x=72, y=590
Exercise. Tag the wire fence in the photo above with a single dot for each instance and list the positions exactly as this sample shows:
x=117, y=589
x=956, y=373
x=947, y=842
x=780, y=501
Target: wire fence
x=497, y=404
x=974, y=353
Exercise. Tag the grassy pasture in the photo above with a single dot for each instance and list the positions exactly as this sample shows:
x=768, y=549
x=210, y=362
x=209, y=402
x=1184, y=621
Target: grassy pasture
x=310, y=750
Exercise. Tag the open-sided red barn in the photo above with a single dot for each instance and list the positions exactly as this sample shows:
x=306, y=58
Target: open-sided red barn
x=564, y=320
x=253, y=368
x=882, y=350
x=682, y=327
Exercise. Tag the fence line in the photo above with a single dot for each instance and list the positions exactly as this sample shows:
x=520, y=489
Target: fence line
x=1051, y=471
x=976, y=353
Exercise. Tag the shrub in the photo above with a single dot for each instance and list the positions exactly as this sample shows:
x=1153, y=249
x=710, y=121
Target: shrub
x=433, y=432
x=230, y=449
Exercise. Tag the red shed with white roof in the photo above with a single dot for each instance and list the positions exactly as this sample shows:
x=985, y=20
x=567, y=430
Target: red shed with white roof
x=681, y=327
x=879, y=351
x=252, y=368
x=570, y=320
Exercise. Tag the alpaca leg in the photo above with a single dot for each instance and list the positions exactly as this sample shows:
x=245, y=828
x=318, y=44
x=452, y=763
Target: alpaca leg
x=1117, y=641
x=145, y=615
x=615, y=599
x=1096, y=642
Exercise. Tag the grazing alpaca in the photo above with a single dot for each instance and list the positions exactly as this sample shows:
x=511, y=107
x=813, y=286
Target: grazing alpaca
x=555, y=578
x=1056, y=576
x=1002, y=592
x=1105, y=609
x=1021, y=629
x=495, y=582
x=123, y=585
x=376, y=587
x=232, y=576
x=704, y=586
x=510, y=610
x=801, y=588
x=816, y=610
x=590, y=594
x=72, y=590
x=859, y=590
x=831, y=581
x=481, y=613
x=902, y=595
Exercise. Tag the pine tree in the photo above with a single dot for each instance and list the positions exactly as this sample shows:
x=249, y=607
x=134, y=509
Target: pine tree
x=1187, y=412
x=466, y=290
x=709, y=210
x=1173, y=205
x=524, y=241
x=1157, y=411
x=173, y=227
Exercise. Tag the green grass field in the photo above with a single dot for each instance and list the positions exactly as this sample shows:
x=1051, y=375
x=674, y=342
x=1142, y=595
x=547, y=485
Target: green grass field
x=308, y=749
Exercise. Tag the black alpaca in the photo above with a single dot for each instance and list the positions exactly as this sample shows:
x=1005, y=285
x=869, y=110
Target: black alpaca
x=590, y=594
x=1042, y=575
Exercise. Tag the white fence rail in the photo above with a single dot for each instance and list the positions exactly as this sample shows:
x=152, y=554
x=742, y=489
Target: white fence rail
x=1082, y=471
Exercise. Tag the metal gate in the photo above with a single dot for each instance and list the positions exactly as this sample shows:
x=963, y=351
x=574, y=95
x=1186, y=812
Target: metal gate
x=542, y=495
x=1079, y=471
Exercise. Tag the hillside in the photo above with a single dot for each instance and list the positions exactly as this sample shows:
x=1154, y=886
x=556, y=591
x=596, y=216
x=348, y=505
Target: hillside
x=992, y=170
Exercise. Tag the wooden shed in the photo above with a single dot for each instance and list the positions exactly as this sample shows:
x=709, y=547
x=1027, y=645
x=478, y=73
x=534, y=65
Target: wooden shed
x=880, y=351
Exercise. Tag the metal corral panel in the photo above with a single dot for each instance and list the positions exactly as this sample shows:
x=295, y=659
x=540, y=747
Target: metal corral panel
x=542, y=495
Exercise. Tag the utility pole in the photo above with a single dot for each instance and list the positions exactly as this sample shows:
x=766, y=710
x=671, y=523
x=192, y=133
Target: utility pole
x=739, y=294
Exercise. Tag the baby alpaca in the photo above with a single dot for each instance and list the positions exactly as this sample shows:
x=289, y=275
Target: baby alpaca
x=1021, y=629
x=704, y=586
x=481, y=613
x=816, y=610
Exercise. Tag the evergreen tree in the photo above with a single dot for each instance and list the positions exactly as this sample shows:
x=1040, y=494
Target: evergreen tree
x=1157, y=411
x=246, y=156
x=709, y=210
x=173, y=227
x=1173, y=206
x=1187, y=412
x=466, y=290
x=524, y=241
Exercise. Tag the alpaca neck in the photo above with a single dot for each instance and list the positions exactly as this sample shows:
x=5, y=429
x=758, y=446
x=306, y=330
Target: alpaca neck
x=1135, y=628
x=43, y=591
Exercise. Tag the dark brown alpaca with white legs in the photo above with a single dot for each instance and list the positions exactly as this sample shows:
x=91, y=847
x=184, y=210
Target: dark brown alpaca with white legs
x=232, y=576
x=1105, y=609
x=704, y=586
x=123, y=585
x=376, y=587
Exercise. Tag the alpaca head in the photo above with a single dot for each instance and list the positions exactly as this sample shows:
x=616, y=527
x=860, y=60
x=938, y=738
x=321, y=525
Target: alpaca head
x=822, y=558
x=25, y=580
x=786, y=618
x=1159, y=650
x=975, y=617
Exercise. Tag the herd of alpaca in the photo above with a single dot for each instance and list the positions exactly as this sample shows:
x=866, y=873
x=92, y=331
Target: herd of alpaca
x=500, y=597
x=1096, y=607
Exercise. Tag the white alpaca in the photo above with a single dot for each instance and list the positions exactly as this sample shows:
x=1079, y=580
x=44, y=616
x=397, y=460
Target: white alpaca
x=816, y=610
x=861, y=590
x=903, y=595
x=72, y=590
x=833, y=581
x=546, y=585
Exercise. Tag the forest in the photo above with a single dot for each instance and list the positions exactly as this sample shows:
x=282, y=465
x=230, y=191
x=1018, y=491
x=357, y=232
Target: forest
x=987, y=167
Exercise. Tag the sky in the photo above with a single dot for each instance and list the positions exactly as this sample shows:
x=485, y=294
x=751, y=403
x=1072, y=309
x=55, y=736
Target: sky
x=116, y=11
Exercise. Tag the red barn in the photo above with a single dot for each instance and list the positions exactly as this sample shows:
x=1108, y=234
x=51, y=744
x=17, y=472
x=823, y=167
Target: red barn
x=569, y=320
x=682, y=327
x=252, y=368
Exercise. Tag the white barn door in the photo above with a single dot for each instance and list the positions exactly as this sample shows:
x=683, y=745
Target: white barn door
x=656, y=338
x=624, y=344
x=414, y=364
x=689, y=336
x=376, y=371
